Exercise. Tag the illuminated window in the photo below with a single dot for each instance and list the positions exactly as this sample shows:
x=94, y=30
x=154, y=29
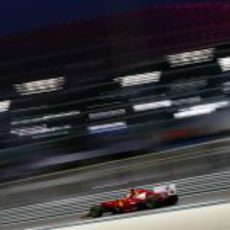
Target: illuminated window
x=38, y=129
x=107, y=127
x=152, y=105
x=4, y=106
x=224, y=63
x=139, y=79
x=40, y=86
x=46, y=118
x=200, y=109
x=189, y=58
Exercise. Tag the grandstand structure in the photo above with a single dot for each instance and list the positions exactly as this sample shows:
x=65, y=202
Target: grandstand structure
x=113, y=86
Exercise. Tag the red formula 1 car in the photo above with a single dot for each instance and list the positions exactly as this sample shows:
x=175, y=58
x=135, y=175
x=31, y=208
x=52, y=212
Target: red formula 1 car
x=138, y=199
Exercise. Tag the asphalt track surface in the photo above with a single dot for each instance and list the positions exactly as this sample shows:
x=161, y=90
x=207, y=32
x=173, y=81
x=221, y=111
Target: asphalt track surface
x=153, y=168
x=214, y=217
x=185, y=202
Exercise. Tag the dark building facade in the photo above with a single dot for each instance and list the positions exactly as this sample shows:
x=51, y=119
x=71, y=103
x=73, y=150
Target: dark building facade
x=94, y=90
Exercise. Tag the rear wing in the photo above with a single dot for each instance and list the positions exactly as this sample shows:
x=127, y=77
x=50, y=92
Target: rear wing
x=171, y=189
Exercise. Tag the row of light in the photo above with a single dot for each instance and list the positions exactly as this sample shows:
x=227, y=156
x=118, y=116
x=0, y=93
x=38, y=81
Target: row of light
x=183, y=113
x=92, y=116
x=38, y=129
x=181, y=59
x=201, y=109
x=46, y=118
x=54, y=84
x=175, y=60
x=111, y=113
x=4, y=105
x=192, y=111
x=165, y=104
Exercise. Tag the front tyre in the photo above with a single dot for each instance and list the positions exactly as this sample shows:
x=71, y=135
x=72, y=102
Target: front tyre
x=96, y=211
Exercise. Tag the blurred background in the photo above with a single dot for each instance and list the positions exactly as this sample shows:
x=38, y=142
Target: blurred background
x=126, y=79
x=88, y=82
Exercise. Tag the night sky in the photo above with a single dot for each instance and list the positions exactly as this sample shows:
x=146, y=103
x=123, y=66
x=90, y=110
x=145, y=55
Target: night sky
x=23, y=15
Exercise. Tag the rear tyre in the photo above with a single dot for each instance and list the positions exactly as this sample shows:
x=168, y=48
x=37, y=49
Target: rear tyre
x=172, y=200
x=96, y=211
